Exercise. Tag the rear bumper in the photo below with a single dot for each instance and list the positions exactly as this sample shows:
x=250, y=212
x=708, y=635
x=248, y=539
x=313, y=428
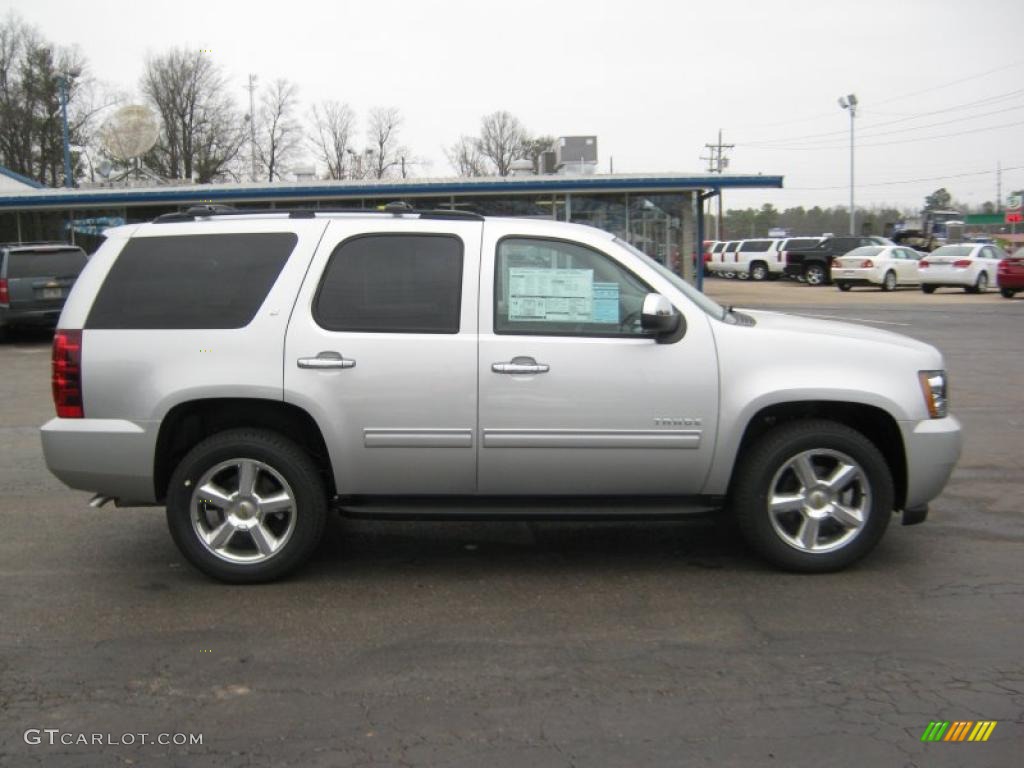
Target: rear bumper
x=17, y=316
x=1015, y=281
x=953, y=278
x=106, y=456
x=932, y=449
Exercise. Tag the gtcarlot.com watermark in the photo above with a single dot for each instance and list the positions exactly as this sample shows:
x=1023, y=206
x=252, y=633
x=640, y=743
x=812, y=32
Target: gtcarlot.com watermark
x=55, y=737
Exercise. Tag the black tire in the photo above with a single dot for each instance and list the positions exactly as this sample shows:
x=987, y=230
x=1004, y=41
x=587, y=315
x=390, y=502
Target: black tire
x=980, y=285
x=1007, y=293
x=285, y=458
x=929, y=288
x=756, y=471
x=889, y=281
x=758, y=271
x=815, y=274
x=844, y=287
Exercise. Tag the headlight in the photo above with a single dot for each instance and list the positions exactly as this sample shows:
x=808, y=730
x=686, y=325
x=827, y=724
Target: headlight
x=933, y=387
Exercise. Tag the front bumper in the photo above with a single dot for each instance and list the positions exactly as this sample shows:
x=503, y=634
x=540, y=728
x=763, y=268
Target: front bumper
x=932, y=449
x=111, y=457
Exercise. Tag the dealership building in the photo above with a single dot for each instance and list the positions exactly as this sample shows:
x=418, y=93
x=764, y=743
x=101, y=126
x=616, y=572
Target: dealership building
x=662, y=214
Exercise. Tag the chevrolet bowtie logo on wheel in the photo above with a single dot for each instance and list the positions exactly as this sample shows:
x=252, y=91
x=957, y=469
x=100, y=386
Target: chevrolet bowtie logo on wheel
x=958, y=730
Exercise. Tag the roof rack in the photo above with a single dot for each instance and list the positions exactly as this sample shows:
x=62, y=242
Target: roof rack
x=396, y=208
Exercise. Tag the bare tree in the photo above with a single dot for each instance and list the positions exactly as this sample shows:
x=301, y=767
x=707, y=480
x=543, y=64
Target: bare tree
x=502, y=140
x=333, y=124
x=31, y=74
x=464, y=156
x=383, y=150
x=278, y=135
x=199, y=118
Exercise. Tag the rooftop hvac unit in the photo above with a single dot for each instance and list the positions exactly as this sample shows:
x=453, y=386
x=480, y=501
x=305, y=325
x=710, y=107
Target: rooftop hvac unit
x=576, y=153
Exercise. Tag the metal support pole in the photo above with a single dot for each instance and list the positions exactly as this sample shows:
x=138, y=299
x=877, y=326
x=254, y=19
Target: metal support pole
x=63, y=83
x=701, y=197
x=853, y=215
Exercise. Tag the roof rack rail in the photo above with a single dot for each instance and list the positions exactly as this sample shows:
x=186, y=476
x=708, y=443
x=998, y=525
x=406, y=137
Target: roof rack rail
x=396, y=208
x=29, y=243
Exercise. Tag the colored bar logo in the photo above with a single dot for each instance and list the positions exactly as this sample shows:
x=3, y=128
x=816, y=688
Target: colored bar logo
x=958, y=730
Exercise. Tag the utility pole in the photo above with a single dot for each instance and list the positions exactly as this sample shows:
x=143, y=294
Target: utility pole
x=999, y=186
x=252, y=123
x=717, y=163
x=850, y=103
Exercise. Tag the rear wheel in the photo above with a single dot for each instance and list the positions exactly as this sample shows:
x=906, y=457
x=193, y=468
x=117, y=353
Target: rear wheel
x=929, y=288
x=815, y=274
x=812, y=496
x=758, y=271
x=1007, y=293
x=844, y=286
x=889, y=281
x=980, y=285
x=246, y=506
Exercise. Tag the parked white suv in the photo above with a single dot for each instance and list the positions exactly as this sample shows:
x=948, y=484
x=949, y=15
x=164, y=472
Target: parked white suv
x=251, y=371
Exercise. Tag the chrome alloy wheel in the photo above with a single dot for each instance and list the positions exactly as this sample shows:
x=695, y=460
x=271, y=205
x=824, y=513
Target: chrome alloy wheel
x=243, y=511
x=819, y=501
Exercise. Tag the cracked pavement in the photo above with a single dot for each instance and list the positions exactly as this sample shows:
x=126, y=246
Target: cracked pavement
x=543, y=644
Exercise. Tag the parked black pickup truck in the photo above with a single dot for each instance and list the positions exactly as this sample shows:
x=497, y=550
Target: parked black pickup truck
x=813, y=265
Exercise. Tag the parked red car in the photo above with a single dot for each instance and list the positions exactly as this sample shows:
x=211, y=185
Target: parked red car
x=1011, y=274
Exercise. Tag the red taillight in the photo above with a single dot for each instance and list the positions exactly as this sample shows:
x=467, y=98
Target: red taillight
x=867, y=264
x=5, y=296
x=923, y=263
x=962, y=263
x=67, y=374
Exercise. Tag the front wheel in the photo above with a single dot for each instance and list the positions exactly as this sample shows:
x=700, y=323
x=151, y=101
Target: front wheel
x=246, y=506
x=1007, y=293
x=812, y=496
x=844, y=286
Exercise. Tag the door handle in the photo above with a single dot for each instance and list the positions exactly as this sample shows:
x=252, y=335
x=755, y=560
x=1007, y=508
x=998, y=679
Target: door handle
x=326, y=361
x=520, y=365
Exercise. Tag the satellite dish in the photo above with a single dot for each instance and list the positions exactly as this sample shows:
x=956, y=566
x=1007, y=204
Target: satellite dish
x=130, y=132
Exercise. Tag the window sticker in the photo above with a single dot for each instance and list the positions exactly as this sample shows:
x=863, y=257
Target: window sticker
x=553, y=295
x=606, y=303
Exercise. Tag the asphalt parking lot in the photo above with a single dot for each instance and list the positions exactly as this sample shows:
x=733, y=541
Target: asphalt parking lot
x=543, y=644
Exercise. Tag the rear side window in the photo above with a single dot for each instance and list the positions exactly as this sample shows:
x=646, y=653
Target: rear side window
x=191, y=281
x=718, y=248
x=756, y=246
x=392, y=284
x=66, y=263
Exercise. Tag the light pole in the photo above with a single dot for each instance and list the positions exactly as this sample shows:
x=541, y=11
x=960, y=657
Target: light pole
x=850, y=102
x=62, y=82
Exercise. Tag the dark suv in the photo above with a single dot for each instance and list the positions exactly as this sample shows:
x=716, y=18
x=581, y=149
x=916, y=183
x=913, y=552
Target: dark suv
x=35, y=279
x=813, y=265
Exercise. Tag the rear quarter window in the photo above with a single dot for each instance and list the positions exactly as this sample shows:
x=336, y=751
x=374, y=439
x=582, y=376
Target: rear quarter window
x=190, y=281
x=755, y=246
x=67, y=263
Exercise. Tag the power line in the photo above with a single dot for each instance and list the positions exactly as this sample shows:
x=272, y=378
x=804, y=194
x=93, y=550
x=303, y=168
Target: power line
x=967, y=105
x=909, y=181
x=898, y=141
x=824, y=115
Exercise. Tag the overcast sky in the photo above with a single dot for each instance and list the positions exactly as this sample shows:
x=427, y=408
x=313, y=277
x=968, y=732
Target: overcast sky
x=654, y=80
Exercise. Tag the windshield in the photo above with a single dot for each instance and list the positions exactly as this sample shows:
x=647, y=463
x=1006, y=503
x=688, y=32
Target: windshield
x=709, y=305
x=866, y=250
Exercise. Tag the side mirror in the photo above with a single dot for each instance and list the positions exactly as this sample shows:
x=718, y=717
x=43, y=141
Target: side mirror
x=660, y=318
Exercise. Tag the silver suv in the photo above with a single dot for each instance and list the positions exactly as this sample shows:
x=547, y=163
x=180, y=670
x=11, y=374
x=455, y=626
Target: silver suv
x=251, y=371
